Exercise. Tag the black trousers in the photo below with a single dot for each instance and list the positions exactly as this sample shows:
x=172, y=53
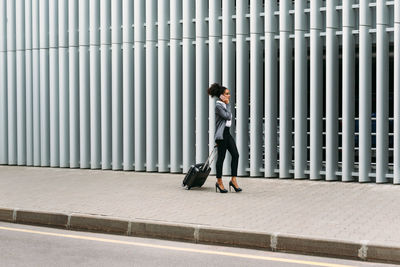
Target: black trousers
x=228, y=143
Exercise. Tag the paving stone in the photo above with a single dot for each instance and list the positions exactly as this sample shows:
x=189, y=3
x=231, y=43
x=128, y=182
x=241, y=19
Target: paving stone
x=339, y=211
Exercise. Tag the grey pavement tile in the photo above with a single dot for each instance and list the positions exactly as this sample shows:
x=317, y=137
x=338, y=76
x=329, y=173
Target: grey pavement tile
x=344, y=211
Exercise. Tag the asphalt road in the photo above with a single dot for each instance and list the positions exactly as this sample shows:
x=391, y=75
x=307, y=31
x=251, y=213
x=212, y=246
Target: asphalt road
x=23, y=245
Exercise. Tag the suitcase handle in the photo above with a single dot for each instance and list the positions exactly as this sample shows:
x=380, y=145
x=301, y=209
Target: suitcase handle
x=208, y=162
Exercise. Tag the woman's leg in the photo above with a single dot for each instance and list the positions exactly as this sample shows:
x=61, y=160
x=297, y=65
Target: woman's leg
x=231, y=146
x=220, y=160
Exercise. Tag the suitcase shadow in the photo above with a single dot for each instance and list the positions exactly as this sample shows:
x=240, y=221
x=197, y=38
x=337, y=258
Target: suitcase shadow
x=200, y=189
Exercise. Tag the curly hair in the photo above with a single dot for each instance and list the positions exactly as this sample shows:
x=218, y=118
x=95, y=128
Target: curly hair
x=215, y=90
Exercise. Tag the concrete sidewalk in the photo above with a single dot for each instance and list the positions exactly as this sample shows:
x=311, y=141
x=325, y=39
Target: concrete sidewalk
x=349, y=220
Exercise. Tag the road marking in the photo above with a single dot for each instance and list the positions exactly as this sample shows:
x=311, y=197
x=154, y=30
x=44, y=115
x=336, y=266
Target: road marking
x=202, y=251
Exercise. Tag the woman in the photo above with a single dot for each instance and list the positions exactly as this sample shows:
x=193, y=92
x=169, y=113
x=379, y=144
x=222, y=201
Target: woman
x=224, y=140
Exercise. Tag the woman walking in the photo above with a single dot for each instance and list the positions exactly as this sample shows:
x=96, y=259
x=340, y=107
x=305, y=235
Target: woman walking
x=223, y=138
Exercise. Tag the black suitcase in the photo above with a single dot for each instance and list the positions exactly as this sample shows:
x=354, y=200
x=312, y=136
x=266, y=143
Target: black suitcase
x=197, y=174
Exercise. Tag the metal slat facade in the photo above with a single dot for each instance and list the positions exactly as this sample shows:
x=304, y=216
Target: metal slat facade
x=121, y=85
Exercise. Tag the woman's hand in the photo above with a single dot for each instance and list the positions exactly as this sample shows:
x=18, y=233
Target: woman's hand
x=224, y=99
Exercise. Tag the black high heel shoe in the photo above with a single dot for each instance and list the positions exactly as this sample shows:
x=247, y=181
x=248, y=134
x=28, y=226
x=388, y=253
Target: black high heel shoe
x=237, y=189
x=220, y=190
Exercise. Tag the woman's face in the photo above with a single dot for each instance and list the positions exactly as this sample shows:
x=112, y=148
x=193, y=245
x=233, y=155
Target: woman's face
x=227, y=94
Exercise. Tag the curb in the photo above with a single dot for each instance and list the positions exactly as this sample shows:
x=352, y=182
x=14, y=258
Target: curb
x=363, y=250
x=101, y=224
x=58, y=220
x=6, y=215
x=163, y=230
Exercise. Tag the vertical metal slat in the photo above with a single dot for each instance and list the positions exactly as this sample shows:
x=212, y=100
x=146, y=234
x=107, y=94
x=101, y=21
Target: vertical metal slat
x=54, y=85
x=128, y=89
x=176, y=85
x=285, y=88
x=348, y=91
x=151, y=87
x=116, y=87
x=365, y=92
x=316, y=90
x=95, y=85
x=382, y=91
x=300, y=91
x=188, y=85
x=242, y=86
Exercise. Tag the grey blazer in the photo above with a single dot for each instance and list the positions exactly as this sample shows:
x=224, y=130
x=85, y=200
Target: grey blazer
x=222, y=115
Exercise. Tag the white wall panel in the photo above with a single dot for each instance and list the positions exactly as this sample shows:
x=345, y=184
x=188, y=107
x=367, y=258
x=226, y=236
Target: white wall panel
x=122, y=85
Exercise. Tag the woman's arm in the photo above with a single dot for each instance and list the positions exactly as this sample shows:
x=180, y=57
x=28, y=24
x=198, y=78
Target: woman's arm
x=222, y=112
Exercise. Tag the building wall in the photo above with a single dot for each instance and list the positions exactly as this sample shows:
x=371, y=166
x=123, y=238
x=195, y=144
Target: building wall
x=122, y=85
